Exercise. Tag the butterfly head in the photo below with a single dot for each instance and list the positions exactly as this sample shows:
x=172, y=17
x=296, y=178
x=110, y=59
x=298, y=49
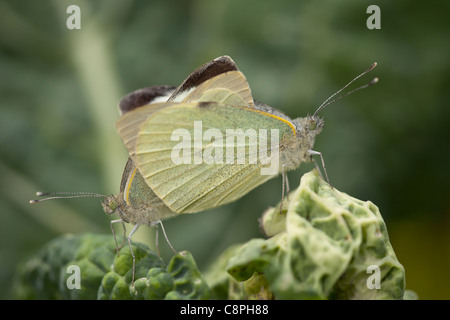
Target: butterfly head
x=109, y=205
x=314, y=124
x=309, y=126
x=306, y=130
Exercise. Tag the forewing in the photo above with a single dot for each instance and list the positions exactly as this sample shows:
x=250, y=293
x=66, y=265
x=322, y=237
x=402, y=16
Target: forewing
x=202, y=74
x=129, y=124
x=229, y=88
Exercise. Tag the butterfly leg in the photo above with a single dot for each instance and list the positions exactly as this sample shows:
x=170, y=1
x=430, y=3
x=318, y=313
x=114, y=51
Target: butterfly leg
x=165, y=237
x=313, y=153
x=131, y=250
x=286, y=184
x=284, y=187
x=114, y=234
x=157, y=241
x=124, y=236
x=316, y=165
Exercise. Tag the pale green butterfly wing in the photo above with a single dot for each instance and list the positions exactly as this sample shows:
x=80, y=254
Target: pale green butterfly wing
x=220, y=74
x=193, y=187
x=230, y=87
x=129, y=124
x=202, y=74
x=150, y=97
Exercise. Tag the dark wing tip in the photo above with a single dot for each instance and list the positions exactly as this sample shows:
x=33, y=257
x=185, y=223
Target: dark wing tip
x=207, y=71
x=142, y=97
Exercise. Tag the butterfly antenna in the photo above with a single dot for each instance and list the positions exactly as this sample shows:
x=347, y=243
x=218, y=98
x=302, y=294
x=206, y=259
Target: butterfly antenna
x=65, y=195
x=329, y=101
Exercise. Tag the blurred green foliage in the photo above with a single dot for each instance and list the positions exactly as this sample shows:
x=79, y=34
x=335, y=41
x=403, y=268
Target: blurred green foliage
x=103, y=275
x=59, y=90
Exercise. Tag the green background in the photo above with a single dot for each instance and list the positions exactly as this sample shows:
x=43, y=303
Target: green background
x=59, y=90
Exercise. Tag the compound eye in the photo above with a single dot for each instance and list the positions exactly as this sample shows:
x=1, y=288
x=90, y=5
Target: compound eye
x=112, y=204
x=109, y=205
x=312, y=124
